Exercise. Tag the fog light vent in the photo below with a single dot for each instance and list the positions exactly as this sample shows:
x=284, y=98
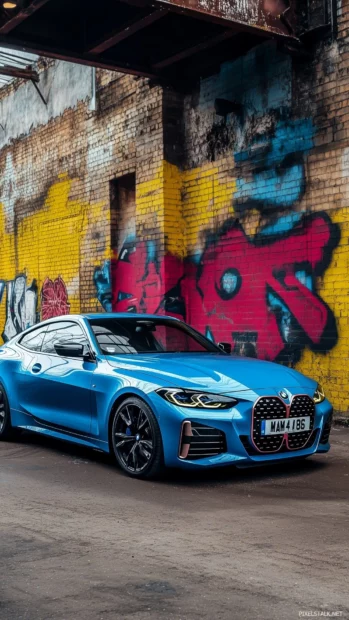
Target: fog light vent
x=199, y=441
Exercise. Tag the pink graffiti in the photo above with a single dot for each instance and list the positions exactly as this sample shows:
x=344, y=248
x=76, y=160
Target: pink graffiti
x=54, y=298
x=138, y=284
x=239, y=304
x=228, y=293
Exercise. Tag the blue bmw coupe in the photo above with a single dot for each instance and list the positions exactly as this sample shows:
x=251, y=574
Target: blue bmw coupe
x=155, y=393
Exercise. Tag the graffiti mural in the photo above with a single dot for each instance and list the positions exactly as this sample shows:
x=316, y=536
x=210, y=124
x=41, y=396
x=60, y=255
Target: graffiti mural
x=137, y=278
x=54, y=299
x=260, y=297
x=253, y=98
x=21, y=305
x=102, y=282
x=21, y=302
x=271, y=174
x=250, y=272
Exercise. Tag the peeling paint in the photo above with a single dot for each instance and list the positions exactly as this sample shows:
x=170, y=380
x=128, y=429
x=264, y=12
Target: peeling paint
x=63, y=85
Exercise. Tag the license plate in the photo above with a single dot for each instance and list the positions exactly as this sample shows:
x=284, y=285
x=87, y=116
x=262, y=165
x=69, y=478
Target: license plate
x=285, y=425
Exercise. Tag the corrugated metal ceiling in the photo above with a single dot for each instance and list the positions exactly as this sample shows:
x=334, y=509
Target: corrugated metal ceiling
x=12, y=63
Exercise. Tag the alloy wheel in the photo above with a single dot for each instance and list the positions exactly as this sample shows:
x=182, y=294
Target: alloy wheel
x=132, y=437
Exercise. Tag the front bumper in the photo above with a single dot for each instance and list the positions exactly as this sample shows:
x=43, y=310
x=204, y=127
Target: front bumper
x=235, y=425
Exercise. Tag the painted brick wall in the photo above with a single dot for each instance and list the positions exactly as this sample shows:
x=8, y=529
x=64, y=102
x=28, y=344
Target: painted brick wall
x=240, y=218
x=56, y=167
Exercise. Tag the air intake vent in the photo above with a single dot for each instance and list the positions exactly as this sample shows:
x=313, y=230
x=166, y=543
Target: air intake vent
x=326, y=430
x=199, y=441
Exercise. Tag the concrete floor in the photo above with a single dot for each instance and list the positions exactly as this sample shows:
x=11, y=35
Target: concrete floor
x=79, y=540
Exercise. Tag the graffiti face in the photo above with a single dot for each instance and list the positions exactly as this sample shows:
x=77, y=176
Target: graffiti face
x=247, y=290
x=21, y=305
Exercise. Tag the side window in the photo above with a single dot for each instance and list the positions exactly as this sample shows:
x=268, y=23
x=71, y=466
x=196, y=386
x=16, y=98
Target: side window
x=60, y=332
x=34, y=339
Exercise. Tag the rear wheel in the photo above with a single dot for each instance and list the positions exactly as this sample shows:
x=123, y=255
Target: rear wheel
x=6, y=430
x=136, y=439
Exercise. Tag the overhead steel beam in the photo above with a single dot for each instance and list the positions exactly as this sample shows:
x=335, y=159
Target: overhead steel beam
x=194, y=49
x=83, y=59
x=21, y=15
x=126, y=31
x=25, y=74
x=250, y=15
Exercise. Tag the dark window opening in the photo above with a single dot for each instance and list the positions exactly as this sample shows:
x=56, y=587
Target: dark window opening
x=122, y=211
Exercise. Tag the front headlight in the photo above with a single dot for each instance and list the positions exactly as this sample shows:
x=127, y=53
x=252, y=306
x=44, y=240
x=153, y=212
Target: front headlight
x=199, y=400
x=319, y=394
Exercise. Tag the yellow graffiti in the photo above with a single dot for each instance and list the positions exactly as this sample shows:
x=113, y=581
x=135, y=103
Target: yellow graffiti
x=330, y=369
x=184, y=204
x=47, y=243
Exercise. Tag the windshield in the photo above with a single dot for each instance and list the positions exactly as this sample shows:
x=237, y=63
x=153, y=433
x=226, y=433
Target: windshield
x=131, y=335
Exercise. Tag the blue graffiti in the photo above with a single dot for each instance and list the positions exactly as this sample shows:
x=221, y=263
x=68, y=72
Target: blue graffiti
x=289, y=137
x=270, y=146
x=276, y=166
x=260, y=81
x=280, y=308
x=102, y=281
x=283, y=223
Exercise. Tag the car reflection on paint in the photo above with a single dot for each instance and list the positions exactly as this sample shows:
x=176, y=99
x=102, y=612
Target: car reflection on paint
x=154, y=392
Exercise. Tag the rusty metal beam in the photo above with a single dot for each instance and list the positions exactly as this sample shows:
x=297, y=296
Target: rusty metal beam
x=69, y=56
x=242, y=15
x=126, y=31
x=194, y=49
x=21, y=15
x=25, y=74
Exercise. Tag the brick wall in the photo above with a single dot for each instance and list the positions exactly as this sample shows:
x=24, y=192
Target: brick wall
x=237, y=221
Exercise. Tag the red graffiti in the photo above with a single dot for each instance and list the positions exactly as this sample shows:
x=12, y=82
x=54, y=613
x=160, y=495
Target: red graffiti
x=54, y=299
x=236, y=277
x=241, y=291
x=136, y=281
x=138, y=284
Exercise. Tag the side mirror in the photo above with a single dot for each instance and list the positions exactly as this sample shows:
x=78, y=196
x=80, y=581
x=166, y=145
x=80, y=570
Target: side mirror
x=225, y=346
x=70, y=349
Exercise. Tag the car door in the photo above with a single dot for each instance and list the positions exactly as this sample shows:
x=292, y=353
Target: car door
x=21, y=386
x=58, y=389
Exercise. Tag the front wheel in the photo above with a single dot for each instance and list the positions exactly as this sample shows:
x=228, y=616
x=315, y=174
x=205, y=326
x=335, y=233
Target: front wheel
x=6, y=430
x=136, y=439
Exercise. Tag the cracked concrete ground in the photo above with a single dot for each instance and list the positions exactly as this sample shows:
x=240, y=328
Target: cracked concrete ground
x=80, y=541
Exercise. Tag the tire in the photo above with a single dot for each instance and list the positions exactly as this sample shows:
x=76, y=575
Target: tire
x=6, y=430
x=136, y=439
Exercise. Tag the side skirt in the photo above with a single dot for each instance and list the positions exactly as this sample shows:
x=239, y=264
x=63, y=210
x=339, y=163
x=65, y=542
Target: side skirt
x=35, y=425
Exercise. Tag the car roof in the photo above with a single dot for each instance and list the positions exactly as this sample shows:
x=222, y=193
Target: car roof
x=107, y=315
x=124, y=315
x=89, y=316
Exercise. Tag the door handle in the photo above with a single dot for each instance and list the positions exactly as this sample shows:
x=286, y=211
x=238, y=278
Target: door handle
x=36, y=368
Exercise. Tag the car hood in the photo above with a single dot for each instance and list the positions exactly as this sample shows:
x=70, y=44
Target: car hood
x=211, y=372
